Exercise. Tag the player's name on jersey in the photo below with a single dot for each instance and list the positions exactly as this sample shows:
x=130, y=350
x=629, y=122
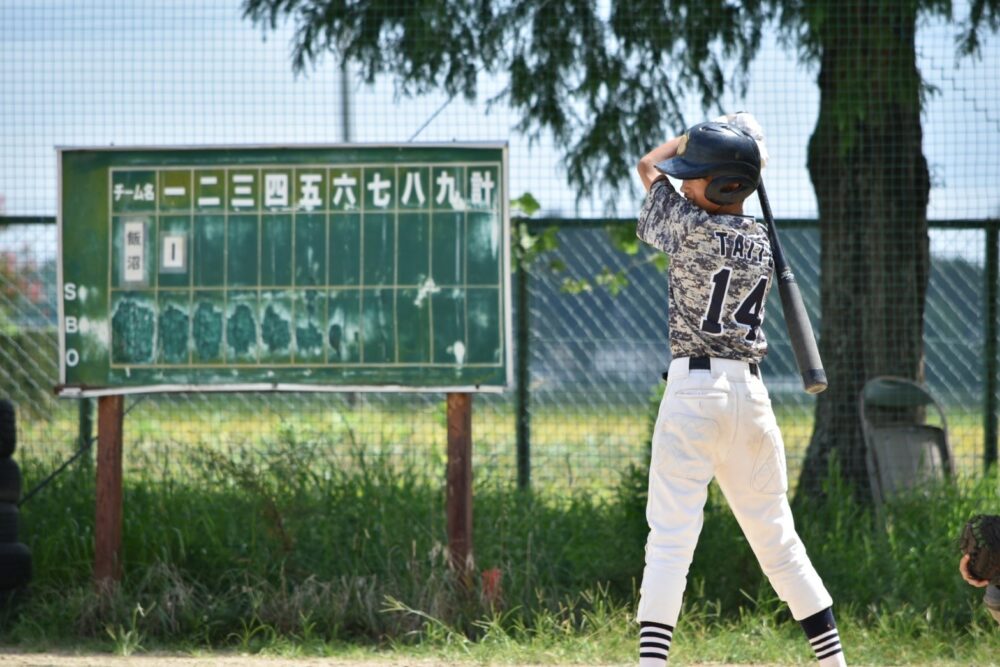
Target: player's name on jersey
x=736, y=245
x=306, y=189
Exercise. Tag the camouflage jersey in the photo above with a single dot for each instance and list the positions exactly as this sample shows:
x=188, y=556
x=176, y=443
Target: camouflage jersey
x=720, y=274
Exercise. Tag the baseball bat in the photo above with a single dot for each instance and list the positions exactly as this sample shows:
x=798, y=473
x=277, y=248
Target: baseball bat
x=796, y=317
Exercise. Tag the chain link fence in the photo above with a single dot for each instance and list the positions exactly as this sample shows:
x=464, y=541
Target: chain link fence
x=595, y=358
x=96, y=73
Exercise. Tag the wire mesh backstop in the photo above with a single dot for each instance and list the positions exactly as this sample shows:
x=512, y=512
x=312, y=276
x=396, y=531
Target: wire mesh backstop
x=593, y=371
x=97, y=73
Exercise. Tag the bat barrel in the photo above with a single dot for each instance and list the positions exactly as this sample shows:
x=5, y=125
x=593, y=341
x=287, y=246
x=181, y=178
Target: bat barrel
x=814, y=381
x=803, y=341
x=796, y=318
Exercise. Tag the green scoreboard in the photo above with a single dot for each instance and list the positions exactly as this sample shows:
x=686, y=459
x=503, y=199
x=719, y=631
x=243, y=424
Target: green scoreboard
x=332, y=268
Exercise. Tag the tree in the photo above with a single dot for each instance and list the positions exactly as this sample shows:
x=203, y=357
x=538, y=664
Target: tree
x=872, y=186
x=606, y=83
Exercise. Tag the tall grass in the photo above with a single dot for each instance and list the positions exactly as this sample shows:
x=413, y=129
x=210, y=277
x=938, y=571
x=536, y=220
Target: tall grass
x=293, y=539
x=291, y=544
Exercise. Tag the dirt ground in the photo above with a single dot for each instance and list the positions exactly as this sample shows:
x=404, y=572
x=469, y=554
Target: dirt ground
x=227, y=660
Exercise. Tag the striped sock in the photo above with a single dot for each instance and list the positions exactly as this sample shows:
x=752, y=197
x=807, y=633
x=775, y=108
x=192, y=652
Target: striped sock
x=824, y=638
x=654, y=643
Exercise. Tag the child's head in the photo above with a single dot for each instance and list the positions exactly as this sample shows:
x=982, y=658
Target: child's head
x=719, y=164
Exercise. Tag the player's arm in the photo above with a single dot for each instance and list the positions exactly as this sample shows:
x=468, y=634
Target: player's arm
x=666, y=216
x=647, y=165
x=992, y=601
x=963, y=568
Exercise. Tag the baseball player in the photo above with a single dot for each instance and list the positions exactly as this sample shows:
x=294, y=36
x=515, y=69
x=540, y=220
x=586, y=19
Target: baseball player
x=715, y=419
x=980, y=564
x=992, y=596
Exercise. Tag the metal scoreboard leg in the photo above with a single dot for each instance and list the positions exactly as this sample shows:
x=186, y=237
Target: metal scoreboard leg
x=459, y=501
x=108, y=526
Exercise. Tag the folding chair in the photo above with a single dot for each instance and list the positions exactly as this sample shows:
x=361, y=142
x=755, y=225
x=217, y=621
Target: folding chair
x=903, y=450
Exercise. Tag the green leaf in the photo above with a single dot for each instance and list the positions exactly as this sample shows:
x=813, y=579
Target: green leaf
x=524, y=206
x=623, y=238
x=527, y=247
x=661, y=261
x=614, y=282
x=571, y=286
x=525, y=239
x=548, y=239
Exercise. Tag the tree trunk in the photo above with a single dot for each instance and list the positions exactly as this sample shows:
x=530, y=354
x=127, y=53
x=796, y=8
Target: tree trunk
x=872, y=186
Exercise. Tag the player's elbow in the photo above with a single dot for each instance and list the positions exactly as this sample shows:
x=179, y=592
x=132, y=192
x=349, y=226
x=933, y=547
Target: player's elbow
x=647, y=171
x=646, y=162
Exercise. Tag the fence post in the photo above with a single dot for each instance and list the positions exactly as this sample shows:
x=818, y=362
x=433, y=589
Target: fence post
x=523, y=371
x=86, y=422
x=108, y=523
x=459, y=480
x=990, y=402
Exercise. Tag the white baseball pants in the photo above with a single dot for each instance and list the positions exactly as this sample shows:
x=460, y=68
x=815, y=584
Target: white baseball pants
x=720, y=423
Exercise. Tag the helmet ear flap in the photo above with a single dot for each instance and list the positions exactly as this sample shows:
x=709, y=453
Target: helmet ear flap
x=725, y=190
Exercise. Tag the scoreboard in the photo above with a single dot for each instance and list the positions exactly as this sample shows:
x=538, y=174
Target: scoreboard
x=284, y=268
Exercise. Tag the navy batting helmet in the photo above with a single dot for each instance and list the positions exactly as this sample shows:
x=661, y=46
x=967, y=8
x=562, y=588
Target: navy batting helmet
x=726, y=153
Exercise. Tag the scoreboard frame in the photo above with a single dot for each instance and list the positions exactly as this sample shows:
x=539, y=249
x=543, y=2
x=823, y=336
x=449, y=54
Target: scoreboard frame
x=67, y=291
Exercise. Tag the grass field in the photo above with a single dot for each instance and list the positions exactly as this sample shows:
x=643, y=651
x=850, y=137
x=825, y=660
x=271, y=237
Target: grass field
x=571, y=446
x=285, y=545
x=296, y=527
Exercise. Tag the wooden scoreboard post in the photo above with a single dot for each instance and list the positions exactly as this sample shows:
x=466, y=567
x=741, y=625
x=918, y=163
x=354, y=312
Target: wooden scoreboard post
x=304, y=268
x=108, y=522
x=459, y=482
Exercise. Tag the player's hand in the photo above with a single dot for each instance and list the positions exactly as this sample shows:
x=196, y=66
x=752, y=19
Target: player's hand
x=647, y=165
x=963, y=567
x=746, y=122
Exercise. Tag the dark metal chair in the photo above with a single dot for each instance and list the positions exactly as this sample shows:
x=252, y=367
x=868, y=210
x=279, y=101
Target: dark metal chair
x=903, y=450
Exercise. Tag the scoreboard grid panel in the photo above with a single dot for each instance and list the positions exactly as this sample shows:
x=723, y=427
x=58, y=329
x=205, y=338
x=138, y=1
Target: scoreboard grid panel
x=260, y=212
x=305, y=276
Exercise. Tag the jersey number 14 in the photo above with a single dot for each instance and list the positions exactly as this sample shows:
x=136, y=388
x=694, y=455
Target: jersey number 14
x=749, y=313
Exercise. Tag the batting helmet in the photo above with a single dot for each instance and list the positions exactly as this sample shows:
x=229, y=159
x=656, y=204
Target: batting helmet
x=726, y=153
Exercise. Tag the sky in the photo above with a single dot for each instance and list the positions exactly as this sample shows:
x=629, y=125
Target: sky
x=194, y=72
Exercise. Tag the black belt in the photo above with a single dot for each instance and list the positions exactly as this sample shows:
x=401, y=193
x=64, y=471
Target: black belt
x=705, y=364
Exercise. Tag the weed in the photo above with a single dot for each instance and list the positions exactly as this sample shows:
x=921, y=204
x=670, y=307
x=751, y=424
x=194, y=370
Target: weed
x=127, y=640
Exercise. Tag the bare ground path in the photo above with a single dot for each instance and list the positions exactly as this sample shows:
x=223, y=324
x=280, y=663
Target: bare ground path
x=221, y=660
